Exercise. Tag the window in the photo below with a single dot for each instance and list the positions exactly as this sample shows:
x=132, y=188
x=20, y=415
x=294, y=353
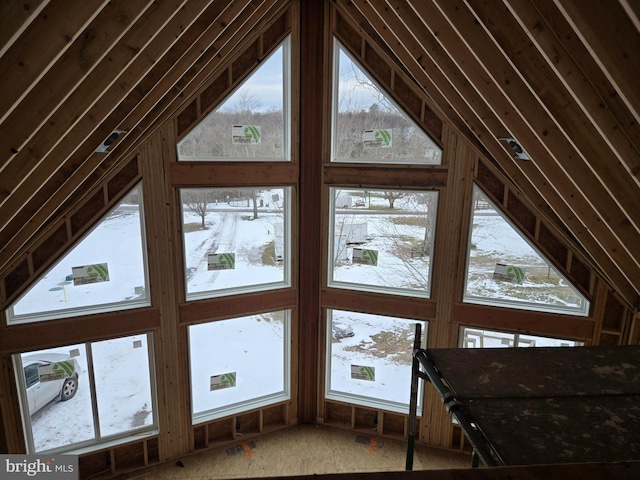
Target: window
x=479, y=338
x=370, y=358
x=505, y=269
x=382, y=240
x=253, y=123
x=83, y=395
x=105, y=271
x=368, y=126
x=235, y=240
x=239, y=364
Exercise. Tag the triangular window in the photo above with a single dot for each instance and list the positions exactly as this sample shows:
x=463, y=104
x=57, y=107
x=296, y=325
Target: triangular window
x=105, y=271
x=368, y=126
x=505, y=269
x=250, y=125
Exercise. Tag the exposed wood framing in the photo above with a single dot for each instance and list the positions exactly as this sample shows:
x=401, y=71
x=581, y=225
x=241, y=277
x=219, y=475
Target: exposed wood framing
x=556, y=75
x=440, y=55
x=313, y=60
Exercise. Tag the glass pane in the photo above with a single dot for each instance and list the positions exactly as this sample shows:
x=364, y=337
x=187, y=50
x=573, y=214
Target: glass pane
x=239, y=364
x=479, y=338
x=252, y=124
x=474, y=338
x=368, y=126
x=382, y=240
x=535, y=341
x=57, y=402
x=370, y=357
x=235, y=239
x=106, y=271
x=123, y=384
x=505, y=269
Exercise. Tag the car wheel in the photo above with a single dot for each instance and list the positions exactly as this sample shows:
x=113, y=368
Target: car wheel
x=69, y=388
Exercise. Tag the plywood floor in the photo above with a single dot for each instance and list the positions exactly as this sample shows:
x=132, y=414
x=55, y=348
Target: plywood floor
x=303, y=450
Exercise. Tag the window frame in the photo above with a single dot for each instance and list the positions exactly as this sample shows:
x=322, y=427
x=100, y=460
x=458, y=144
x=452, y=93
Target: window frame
x=338, y=46
x=286, y=282
x=109, y=307
x=255, y=402
x=341, y=284
x=286, y=114
x=516, y=338
x=364, y=400
x=582, y=311
x=98, y=441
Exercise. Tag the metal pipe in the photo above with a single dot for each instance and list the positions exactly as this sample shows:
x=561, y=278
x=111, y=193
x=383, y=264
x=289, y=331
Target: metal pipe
x=454, y=406
x=413, y=399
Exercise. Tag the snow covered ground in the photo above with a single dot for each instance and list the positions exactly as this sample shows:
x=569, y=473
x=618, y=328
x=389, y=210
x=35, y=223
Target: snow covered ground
x=117, y=241
x=231, y=232
x=380, y=342
x=254, y=347
x=123, y=394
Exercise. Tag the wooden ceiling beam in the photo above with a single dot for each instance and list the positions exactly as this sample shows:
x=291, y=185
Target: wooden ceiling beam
x=613, y=40
x=521, y=115
x=76, y=118
x=428, y=70
x=217, y=22
x=15, y=18
x=47, y=122
x=45, y=37
x=524, y=77
x=408, y=53
x=33, y=196
x=632, y=7
x=149, y=113
x=582, y=78
x=425, y=59
x=58, y=83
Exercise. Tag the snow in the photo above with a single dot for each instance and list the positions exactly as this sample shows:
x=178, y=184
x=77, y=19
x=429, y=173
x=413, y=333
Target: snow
x=254, y=347
x=393, y=271
x=116, y=241
x=228, y=232
x=390, y=356
x=123, y=391
x=495, y=241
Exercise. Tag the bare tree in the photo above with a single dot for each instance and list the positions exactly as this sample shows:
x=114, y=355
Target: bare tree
x=197, y=200
x=430, y=204
x=247, y=103
x=391, y=197
x=254, y=198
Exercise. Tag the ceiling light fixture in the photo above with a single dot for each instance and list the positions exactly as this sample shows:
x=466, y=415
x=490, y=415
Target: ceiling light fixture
x=517, y=149
x=110, y=140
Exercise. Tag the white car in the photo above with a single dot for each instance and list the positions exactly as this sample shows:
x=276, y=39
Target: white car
x=40, y=393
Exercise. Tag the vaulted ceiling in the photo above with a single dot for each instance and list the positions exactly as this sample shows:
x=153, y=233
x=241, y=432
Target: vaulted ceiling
x=558, y=76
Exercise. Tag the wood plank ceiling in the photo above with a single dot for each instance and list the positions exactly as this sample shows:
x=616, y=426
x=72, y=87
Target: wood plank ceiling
x=559, y=76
